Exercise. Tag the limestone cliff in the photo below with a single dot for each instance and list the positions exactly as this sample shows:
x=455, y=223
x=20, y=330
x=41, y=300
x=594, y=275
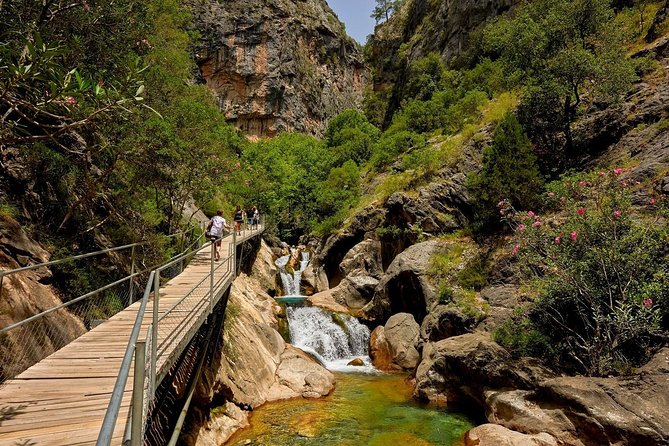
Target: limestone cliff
x=278, y=65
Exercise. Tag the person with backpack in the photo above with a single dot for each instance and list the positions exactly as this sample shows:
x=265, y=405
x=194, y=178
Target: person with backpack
x=239, y=219
x=215, y=230
x=249, y=218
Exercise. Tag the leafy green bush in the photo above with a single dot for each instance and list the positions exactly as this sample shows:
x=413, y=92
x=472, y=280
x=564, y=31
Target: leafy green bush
x=509, y=172
x=602, y=274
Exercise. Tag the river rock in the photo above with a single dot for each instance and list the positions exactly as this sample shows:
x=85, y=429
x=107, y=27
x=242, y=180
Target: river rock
x=227, y=420
x=495, y=435
x=406, y=286
x=264, y=270
x=379, y=350
x=402, y=333
x=299, y=375
x=461, y=367
x=357, y=362
x=445, y=321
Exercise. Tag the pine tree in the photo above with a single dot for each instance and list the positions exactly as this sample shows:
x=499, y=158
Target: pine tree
x=509, y=172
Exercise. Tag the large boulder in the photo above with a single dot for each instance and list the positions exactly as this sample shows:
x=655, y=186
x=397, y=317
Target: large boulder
x=406, y=286
x=298, y=375
x=264, y=270
x=445, y=321
x=495, y=435
x=402, y=333
x=379, y=350
x=364, y=259
x=461, y=367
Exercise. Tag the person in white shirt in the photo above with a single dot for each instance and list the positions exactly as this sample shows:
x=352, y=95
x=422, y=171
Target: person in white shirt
x=215, y=228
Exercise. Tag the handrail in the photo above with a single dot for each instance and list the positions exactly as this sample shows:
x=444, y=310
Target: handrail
x=171, y=261
x=78, y=257
x=109, y=422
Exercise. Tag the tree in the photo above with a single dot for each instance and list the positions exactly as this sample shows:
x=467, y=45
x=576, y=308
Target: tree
x=566, y=49
x=384, y=9
x=509, y=172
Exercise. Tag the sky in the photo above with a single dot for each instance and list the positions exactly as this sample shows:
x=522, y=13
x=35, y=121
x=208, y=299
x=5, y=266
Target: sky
x=356, y=15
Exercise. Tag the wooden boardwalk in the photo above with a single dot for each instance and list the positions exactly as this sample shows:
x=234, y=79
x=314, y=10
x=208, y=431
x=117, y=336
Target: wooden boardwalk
x=62, y=400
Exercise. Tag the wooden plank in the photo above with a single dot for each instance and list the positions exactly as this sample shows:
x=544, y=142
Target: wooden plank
x=62, y=399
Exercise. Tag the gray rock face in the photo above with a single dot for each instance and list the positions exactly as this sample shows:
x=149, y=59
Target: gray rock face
x=525, y=397
x=445, y=321
x=264, y=270
x=278, y=65
x=402, y=332
x=502, y=299
x=406, y=287
x=364, y=259
x=462, y=366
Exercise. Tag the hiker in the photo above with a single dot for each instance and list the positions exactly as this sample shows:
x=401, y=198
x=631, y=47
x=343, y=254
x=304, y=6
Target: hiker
x=239, y=219
x=215, y=229
x=249, y=218
x=256, y=217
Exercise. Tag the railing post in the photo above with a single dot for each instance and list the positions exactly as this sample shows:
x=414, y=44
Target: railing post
x=234, y=255
x=132, y=279
x=211, y=276
x=154, y=330
x=2, y=278
x=138, y=394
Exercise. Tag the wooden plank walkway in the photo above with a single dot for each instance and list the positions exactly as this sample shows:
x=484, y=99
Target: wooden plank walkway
x=62, y=400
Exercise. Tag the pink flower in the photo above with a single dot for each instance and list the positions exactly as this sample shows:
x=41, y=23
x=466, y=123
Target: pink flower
x=70, y=100
x=580, y=211
x=531, y=214
x=617, y=214
x=500, y=204
x=601, y=174
x=557, y=240
x=648, y=302
x=516, y=249
x=537, y=223
x=501, y=212
x=581, y=184
x=652, y=201
x=623, y=184
x=238, y=165
x=618, y=170
x=573, y=236
x=521, y=227
x=551, y=194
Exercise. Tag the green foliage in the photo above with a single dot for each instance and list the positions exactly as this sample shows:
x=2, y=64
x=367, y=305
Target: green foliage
x=560, y=50
x=524, y=338
x=351, y=137
x=602, y=274
x=509, y=172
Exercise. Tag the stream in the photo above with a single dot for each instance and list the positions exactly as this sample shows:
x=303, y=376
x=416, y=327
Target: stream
x=367, y=407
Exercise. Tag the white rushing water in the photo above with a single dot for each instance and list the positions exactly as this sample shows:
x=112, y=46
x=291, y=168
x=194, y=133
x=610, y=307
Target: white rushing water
x=291, y=282
x=333, y=339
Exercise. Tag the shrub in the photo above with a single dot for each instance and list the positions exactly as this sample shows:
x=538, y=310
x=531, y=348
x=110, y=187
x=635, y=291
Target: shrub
x=509, y=171
x=602, y=273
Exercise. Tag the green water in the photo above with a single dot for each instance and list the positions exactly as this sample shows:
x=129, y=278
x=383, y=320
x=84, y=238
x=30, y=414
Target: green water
x=374, y=410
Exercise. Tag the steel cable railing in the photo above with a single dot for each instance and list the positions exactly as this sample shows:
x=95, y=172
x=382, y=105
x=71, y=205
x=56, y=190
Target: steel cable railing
x=45, y=331
x=172, y=329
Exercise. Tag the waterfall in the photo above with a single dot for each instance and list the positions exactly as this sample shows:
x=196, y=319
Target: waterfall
x=334, y=339
x=291, y=282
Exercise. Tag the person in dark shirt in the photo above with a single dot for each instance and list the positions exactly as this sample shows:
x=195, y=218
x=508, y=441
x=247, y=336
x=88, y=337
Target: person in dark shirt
x=239, y=219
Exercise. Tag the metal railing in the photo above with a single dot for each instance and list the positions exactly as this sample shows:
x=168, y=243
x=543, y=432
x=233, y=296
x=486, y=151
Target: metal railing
x=171, y=330
x=28, y=341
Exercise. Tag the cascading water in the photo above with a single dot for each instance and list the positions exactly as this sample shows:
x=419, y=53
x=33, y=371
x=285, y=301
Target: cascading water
x=335, y=339
x=291, y=282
